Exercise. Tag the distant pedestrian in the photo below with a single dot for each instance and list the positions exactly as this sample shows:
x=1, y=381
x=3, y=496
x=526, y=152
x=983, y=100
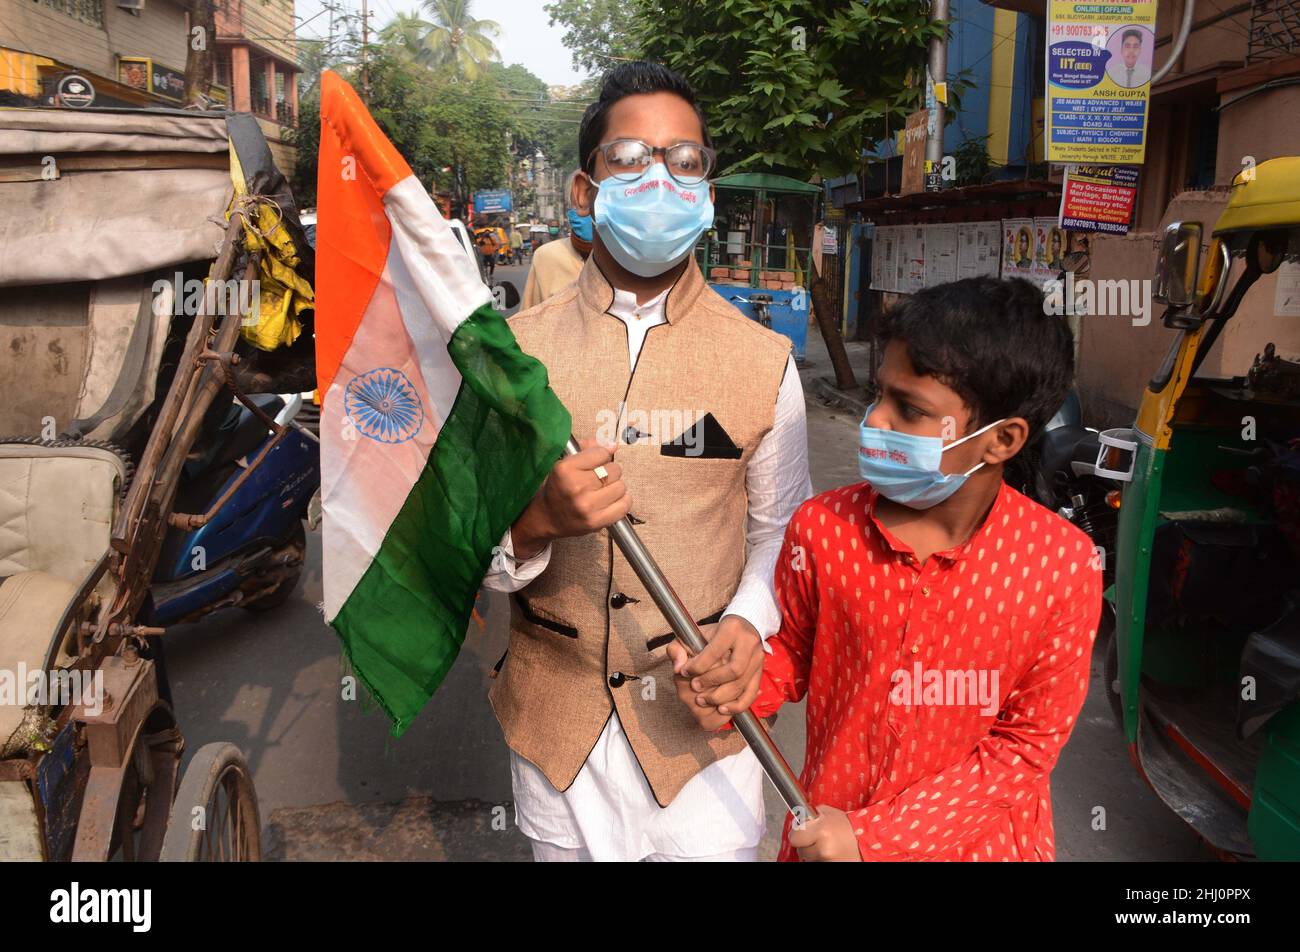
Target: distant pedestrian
x=558, y=264
x=487, y=247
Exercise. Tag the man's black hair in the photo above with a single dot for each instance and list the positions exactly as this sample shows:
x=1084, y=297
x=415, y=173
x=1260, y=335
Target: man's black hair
x=1128, y=33
x=993, y=342
x=631, y=79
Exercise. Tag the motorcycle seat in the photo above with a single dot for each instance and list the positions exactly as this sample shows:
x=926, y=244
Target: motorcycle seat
x=1064, y=445
x=239, y=433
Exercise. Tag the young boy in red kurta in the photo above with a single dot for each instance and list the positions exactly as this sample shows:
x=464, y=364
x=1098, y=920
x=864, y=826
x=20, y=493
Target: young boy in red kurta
x=939, y=622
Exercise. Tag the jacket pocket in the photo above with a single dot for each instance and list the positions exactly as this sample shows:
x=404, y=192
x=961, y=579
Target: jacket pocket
x=533, y=617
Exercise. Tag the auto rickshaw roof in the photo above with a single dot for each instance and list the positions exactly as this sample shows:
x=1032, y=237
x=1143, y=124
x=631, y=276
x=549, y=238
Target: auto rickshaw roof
x=1267, y=196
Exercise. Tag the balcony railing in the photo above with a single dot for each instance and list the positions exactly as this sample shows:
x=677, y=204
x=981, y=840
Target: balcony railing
x=280, y=111
x=1274, y=30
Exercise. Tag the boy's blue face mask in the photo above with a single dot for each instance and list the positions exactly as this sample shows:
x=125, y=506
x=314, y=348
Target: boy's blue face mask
x=904, y=467
x=652, y=224
x=580, y=225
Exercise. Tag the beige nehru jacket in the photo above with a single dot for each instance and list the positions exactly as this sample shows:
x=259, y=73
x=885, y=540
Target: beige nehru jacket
x=586, y=640
x=554, y=265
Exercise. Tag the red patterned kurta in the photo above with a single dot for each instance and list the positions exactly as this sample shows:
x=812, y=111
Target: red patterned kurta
x=893, y=655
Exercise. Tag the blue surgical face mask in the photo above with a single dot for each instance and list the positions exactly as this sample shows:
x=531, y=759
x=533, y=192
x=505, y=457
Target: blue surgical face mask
x=580, y=225
x=652, y=224
x=904, y=467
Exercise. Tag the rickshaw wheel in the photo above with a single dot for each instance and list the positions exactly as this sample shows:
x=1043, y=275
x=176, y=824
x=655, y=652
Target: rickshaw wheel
x=218, y=789
x=146, y=796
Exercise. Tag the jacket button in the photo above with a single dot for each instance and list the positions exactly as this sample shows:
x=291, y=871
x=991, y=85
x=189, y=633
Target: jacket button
x=616, y=679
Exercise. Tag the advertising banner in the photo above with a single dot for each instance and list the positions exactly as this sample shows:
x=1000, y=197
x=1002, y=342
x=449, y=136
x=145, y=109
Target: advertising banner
x=1050, y=247
x=1018, y=248
x=1099, y=198
x=1099, y=62
x=492, y=201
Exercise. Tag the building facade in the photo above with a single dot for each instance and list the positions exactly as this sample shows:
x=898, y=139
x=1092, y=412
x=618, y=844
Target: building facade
x=256, y=59
x=1229, y=102
x=132, y=53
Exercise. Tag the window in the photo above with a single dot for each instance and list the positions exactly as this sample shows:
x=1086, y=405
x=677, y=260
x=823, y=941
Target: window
x=221, y=68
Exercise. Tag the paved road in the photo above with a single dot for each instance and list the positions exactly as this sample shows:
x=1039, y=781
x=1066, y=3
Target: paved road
x=332, y=784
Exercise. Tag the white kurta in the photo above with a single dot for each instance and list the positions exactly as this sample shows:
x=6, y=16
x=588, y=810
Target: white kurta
x=609, y=811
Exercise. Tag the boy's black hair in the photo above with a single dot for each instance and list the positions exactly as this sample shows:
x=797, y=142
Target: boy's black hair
x=631, y=79
x=993, y=342
x=1128, y=33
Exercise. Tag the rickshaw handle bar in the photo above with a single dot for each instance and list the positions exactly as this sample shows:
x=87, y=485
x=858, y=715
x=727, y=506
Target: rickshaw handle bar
x=684, y=627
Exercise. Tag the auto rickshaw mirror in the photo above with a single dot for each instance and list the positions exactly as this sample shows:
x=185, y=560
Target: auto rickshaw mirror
x=1178, y=264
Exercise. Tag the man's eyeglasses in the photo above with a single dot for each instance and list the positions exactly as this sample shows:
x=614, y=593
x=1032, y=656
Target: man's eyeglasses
x=689, y=163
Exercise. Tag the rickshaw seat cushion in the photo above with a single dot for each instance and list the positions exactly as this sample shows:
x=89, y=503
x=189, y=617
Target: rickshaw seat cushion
x=31, y=605
x=57, y=505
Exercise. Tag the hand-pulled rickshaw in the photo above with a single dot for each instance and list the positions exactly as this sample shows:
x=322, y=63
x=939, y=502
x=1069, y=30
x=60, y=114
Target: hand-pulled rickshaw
x=149, y=470
x=1204, y=662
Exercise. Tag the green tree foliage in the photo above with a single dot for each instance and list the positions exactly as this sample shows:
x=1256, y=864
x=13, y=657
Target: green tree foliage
x=458, y=134
x=795, y=86
x=542, y=122
x=597, y=32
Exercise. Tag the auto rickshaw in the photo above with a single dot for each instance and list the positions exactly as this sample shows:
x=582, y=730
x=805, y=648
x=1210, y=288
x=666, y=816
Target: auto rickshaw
x=150, y=471
x=1203, y=662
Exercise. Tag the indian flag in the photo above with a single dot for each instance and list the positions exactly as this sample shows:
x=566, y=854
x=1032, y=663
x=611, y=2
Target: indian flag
x=436, y=429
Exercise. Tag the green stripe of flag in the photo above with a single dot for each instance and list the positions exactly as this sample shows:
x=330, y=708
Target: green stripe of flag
x=404, y=622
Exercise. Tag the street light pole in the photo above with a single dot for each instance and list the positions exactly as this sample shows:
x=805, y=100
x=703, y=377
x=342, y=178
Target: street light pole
x=936, y=91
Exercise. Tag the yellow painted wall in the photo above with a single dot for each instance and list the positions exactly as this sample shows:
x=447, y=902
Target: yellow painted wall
x=18, y=72
x=1001, y=80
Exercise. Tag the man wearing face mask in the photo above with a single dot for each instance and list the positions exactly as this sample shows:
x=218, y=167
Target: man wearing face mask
x=939, y=622
x=705, y=410
x=557, y=263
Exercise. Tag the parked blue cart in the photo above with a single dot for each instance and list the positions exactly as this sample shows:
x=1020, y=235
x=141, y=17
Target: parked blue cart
x=759, y=255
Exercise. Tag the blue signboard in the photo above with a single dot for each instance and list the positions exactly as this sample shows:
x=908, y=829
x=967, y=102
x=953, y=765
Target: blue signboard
x=495, y=200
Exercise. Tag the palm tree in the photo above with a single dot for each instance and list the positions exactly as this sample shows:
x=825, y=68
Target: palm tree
x=406, y=34
x=458, y=40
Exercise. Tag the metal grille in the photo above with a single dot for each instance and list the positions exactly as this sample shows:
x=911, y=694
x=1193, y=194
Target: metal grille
x=1274, y=30
x=87, y=11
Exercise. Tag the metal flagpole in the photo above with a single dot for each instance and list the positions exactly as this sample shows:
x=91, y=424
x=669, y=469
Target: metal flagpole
x=684, y=627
